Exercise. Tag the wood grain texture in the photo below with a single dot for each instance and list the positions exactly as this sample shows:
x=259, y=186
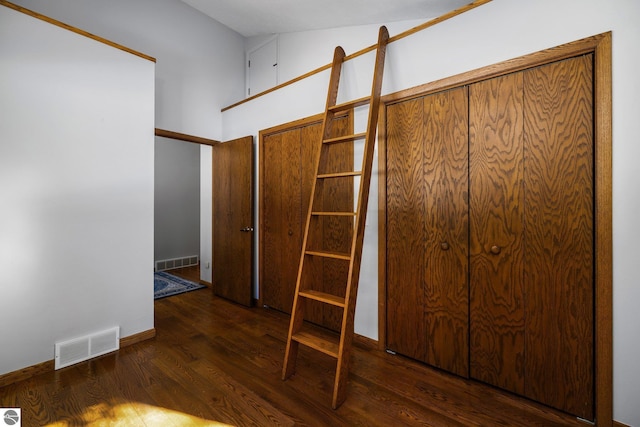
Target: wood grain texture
x=26, y=373
x=557, y=53
x=406, y=203
x=382, y=229
x=496, y=201
x=139, y=337
x=270, y=225
x=600, y=46
x=281, y=238
x=603, y=191
x=49, y=366
x=311, y=141
x=445, y=181
x=232, y=273
x=427, y=166
x=214, y=361
x=559, y=285
x=332, y=233
x=288, y=158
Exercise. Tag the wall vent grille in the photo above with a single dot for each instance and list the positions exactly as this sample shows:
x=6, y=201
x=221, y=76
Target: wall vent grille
x=87, y=347
x=169, y=264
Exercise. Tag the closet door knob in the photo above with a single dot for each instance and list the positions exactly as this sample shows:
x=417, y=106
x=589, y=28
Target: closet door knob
x=495, y=250
x=444, y=246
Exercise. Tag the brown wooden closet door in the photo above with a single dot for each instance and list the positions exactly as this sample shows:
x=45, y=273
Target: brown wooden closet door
x=445, y=177
x=559, y=282
x=406, y=234
x=427, y=230
x=232, y=246
x=288, y=171
x=281, y=218
x=496, y=203
x=531, y=229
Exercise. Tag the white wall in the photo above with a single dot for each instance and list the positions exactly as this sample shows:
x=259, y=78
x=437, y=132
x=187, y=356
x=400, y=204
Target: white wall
x=200, y=62
x=176, y=199
x=199, y=69
x=76, y=188
x=494, y=32
x=301, y=52
x=206, y=215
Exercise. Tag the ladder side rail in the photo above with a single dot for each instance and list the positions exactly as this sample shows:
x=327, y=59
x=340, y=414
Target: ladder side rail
x=332, y=95
x=367, y=161
x=297, y=311
x=346, y=334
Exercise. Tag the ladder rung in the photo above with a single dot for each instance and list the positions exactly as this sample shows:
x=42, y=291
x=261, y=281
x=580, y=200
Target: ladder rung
x=336, y=255
x=351, y=104
x=322, y=344
x=345, y=138
x=339, y=174
x=323, y=297
x=334, y=213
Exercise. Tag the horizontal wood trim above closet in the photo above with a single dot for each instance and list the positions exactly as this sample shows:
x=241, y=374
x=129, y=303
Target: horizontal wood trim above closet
x=572, y=49
x=368, y=49
x=74, y=29
x=184, y=137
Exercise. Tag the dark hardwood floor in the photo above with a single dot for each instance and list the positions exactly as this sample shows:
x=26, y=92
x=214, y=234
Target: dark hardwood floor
x=214, y=362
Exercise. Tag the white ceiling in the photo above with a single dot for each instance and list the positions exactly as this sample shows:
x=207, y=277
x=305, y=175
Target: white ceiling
x=260, y=17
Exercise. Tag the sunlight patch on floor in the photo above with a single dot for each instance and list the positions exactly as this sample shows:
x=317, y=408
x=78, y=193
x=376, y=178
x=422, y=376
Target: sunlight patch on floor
x=134, y=414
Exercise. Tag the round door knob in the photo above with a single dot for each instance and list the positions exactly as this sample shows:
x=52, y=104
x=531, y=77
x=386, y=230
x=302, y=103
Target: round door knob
x=290, y=233
x=495, y=250
x=444, y=246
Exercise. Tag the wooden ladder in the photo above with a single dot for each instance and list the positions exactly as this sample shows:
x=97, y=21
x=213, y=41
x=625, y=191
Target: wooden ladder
x=313, y=249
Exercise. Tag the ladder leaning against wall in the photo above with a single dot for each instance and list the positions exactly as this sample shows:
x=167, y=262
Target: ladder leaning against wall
x=313, y=249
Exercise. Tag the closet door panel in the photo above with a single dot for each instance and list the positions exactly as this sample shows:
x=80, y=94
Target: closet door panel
x=559, y=219
x=496, y=203
x=282, y=218
x=288, y=173
x=406, y=205
x=445, y=180
x=271, y=222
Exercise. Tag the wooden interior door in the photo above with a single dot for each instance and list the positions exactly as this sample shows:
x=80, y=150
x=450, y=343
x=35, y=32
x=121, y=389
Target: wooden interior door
x=427, y=230
x=233, y=220
x=531, y=208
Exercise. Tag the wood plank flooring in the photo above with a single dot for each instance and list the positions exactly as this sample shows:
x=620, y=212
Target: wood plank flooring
x=214, y=362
